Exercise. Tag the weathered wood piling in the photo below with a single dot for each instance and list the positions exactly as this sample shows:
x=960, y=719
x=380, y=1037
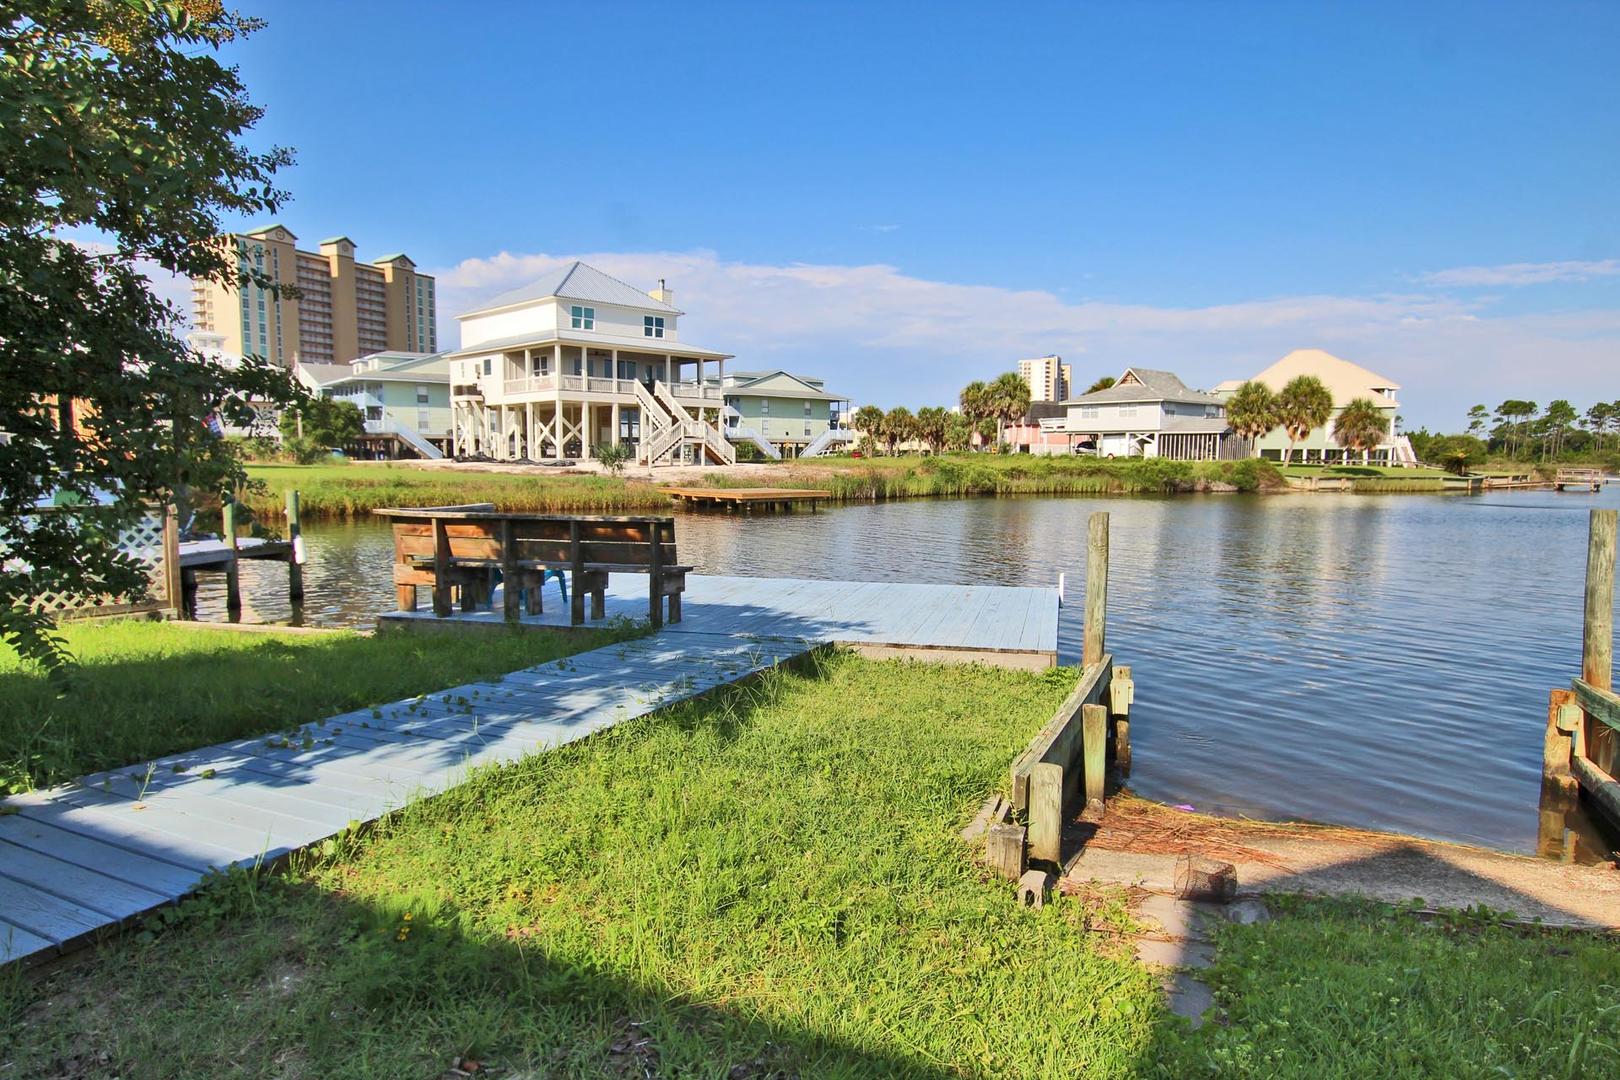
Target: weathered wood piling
x=1583, y=722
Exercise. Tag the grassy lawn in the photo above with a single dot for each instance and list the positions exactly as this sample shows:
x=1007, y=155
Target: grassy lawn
x=354, y=490
x=767, y=882
x=150, y=688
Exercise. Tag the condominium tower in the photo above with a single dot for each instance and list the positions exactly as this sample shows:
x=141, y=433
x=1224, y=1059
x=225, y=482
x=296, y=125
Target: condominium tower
x=345, y=309
x=1048, y=378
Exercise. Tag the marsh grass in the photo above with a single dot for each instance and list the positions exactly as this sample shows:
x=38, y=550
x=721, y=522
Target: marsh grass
x=144, y=689
x=354, y=491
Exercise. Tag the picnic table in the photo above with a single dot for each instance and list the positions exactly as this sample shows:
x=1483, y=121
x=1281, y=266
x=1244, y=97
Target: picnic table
x=463, y=549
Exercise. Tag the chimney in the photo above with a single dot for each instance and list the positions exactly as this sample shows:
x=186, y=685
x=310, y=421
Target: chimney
x=663, y=294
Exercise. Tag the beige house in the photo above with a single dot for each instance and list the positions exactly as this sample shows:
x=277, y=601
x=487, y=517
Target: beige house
x=347, y=309
x=1346, y=382
x=577, y=360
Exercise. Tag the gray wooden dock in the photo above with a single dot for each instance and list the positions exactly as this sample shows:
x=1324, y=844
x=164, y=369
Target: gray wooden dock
x=78, y=859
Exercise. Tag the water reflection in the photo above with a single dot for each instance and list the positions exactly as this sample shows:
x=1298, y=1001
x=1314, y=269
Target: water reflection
x=1374, y=661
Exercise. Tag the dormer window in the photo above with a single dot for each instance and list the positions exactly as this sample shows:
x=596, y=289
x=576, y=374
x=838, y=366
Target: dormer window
x=582, y=318
x=652, y=326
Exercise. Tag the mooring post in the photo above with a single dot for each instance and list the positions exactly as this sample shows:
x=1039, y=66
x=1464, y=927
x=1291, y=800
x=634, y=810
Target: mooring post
x=1562, y=716
x=1096, y=588
x=1046, y=812
x=1094, y=751
x=233, y=581
x=1597, y=634
x=295, y=558
x=1121, y=693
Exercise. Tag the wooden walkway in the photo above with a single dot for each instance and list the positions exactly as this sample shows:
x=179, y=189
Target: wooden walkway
x=747, y=498
x=84, y=857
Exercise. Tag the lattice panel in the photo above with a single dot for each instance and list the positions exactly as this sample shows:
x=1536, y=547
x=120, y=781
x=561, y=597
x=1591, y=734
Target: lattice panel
x=142, y=540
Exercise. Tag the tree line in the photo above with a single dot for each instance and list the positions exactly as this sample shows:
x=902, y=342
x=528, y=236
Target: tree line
x=984, y=409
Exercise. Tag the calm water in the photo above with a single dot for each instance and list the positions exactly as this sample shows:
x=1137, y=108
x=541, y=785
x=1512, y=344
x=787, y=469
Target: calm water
x=1379, y=661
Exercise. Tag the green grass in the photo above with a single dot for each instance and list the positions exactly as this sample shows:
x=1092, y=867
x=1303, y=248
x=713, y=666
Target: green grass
x=767, y=882
x=345, y=490
x=957, y=475
x=147, y=688
x=1362, y=471
x=1339, y=988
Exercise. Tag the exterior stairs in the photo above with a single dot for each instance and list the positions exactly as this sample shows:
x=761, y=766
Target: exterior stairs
x=667, y=428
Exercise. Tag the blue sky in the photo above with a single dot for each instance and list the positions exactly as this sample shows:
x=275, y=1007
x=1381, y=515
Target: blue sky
x=901, y=198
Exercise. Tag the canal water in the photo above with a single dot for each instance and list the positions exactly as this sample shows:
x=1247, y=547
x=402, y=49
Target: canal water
x=1374, y=661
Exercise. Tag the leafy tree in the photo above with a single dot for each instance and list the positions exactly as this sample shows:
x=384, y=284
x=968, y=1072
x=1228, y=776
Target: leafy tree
x=1251, y=411
x=1559, y=419
x=931, y=423
x=1303, y=405
x=321, y=424
x=1455, y=453
x=869, y=422
x=1009, y=399
x=898, y=426
x=1514, y=415
x=1101, y=384
x=975, y=402
x=1477, y=416
x=958, y=432
x=117, y=121
x=1361, y=426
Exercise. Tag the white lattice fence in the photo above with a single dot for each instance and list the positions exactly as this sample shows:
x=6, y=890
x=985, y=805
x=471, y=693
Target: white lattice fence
x=152, y=541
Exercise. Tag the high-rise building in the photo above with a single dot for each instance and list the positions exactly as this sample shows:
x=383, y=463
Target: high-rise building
x=1048, y=378
x=345, y=310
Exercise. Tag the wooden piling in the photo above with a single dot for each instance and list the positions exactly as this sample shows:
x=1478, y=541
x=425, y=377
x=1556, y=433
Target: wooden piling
x=295, y=569
x=1597, y=636
x=1096, y=588
x=173, y=577
x=1004, y=850
x=1121, y=694
x=1046, y=812
x=233, y=580
x=1094, y=750
x=1556, y=747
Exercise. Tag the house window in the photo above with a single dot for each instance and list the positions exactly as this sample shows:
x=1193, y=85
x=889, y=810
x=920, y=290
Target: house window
x=488, y=365
x=545, y=363
x=652, y=326
x=627, y=370
x=1127, y=410
x=1090, y=412
x=582, y=318
x=764, y=406
x=807, y=410
x=424, y=420
x=807, y=429
x=421, y=395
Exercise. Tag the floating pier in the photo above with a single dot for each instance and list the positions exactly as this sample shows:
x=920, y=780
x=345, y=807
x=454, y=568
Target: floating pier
x=747, y=499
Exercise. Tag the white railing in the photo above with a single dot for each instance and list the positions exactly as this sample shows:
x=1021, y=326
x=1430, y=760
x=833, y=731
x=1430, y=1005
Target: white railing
x=697, y=391
x=823, y=442
x=749, y=435
x=530, y=384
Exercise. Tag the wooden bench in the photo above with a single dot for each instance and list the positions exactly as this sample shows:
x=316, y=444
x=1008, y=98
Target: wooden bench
x=460, y=549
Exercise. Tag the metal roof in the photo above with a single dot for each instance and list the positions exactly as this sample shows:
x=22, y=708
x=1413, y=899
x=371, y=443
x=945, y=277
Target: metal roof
x=576, y=281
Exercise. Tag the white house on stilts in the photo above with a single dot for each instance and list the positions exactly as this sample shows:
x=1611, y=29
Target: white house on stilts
x=579, y=360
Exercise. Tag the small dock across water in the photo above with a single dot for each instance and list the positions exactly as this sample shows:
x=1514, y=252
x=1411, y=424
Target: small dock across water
x=82, y=858
x=747, y=499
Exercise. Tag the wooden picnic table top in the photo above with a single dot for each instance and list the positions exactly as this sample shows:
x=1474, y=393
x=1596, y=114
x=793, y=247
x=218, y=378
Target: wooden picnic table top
x=456, y=513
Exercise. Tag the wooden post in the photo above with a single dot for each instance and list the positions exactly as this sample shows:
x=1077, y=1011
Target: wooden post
x=172, y=577
x=576, y=560
x=295, y=569
x=1046, y=812
x=511, y=579
x=1004, y=850
x=1096, y=588
x=1094, y=748
x=1555, y=750
x=441, y=569
x=233, y=581
x=1597, y=639
x=1121, y=694
x=655, y=574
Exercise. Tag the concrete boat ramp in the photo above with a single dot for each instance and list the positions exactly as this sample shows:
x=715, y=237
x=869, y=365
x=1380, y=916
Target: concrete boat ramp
x=81, y=858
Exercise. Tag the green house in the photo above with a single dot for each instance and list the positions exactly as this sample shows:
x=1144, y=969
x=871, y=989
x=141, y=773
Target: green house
x=404, y=397
x=789, y=413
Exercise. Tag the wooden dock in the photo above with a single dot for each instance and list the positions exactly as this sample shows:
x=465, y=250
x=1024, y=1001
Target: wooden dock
x=82, y=858
x=1586, y=479
x=747, y=499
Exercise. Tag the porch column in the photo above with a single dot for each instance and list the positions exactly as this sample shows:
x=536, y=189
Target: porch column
x=700, y=375
x=528, y=364
x=669, y=368
x=613, y=436
x=587, y=435
x=557, y=427
x=556, y=361
x=613, y=373
x=531, y=451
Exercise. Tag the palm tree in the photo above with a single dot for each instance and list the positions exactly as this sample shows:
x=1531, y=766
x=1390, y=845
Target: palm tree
x=930, y=423
x=1303, y=405
x=975, y=402
x=958, y=432
x=898, y=426
x=869, y=422
x=1101, y=384
x=1251, y=411
x=1361, y=425
x=1009, y=400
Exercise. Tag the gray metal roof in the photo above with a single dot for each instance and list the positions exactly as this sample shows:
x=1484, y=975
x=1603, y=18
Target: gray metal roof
x=1193, y=425
x=577, y=281
x=1153, y=386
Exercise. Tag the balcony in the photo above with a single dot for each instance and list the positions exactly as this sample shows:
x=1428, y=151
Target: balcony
x=581, y=384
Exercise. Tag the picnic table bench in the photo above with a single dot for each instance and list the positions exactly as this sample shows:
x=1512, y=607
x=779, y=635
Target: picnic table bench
x=462, y=549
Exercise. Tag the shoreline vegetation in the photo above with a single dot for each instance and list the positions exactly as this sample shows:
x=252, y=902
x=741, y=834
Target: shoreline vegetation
x=353, y=490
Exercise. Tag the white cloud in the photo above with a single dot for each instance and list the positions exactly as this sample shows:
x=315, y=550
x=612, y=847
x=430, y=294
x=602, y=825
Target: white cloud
x=1510, y=274
x=882, y=336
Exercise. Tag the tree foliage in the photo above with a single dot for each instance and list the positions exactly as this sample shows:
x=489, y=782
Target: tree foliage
x=321, y=424
x=1361, y=426
x=1303, y=405
x=119, y=150
x=1008, y=398
x=1251, y=411
x=931, y=424
x=1101, y=384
